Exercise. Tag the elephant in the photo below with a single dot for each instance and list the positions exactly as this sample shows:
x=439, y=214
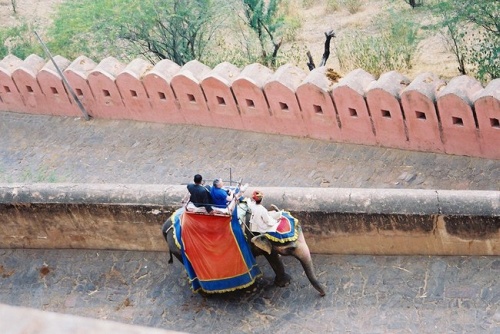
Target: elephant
x=273, y=253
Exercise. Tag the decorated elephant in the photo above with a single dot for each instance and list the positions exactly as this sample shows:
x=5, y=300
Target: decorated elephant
x=259, y=245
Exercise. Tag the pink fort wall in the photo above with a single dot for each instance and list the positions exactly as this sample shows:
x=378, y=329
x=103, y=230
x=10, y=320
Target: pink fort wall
x=460, y=134
x=59, y=100
x=318, y=111
x=382, y=98
x=10, y=98
x=108, y=101
x=76, y=74
x=164, y=105
x=459, y=117
x=421, y=114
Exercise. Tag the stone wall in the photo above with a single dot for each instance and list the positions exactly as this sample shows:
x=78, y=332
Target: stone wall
x=335, y=221
x=427, y=114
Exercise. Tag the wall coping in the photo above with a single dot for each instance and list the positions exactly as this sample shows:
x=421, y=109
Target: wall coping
x=327, y=200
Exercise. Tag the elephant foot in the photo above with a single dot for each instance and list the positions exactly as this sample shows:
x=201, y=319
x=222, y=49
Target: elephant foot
x=282, y=281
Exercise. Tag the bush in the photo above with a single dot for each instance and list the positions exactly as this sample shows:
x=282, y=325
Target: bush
x=473, y=34
x=86, y=28
x=391, y=48
x=19, y=41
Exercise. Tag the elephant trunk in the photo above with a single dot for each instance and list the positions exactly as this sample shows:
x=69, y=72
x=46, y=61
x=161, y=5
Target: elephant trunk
x=303, y=254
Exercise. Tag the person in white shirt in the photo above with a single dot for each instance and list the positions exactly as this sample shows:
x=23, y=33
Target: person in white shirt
x=261, y=220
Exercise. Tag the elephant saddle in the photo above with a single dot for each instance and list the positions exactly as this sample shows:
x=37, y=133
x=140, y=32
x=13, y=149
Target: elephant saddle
x=287, y=230
x=216, y=255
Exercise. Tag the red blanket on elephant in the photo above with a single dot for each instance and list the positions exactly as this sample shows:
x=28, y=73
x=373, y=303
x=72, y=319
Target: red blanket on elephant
x=216, y=255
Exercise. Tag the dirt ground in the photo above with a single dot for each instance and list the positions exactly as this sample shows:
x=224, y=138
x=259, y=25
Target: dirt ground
x=432, y=55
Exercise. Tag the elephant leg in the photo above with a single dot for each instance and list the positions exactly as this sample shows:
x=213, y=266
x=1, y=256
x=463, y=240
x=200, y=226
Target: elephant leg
x=302, y=253
x=168, y=233
x=282, y=279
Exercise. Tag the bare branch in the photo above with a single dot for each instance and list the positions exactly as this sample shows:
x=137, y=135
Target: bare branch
x=310, y=64
x=328, y=35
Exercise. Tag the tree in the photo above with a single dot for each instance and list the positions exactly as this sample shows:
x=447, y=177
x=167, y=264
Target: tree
x=264, y=19
x=472, y=29
x=326, y=53
x=178, y=30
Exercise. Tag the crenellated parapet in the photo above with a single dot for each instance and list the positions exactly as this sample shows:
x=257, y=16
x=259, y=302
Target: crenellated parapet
x=458, y=117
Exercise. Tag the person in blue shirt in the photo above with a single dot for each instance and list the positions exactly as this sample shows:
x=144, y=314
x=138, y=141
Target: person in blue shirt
x=220, y=196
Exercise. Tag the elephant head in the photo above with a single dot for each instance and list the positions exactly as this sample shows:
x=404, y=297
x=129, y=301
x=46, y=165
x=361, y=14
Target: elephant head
x=261, y=245
x=297, y=249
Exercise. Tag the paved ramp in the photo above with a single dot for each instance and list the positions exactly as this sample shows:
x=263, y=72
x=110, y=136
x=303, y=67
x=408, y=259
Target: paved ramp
x=365, y=293
x=57, y=149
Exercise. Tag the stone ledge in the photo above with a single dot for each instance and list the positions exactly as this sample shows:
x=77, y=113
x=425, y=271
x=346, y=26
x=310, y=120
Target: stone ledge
x=335, y=221
x=341, y=200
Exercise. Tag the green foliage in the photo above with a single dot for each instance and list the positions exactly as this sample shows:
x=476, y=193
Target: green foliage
x=472, y=29
x=295, y=54
x=19, y=41
x=174, y=29
x=264, y=19
x=391, y=47
x=292, y=21
x=179, y=30
x=86, y=28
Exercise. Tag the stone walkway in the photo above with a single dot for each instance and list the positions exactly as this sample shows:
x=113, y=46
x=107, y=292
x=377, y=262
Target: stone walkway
x=57, y=149
x=366, y=294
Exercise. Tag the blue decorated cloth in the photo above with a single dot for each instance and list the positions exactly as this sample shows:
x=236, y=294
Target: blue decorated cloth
x=216, y=255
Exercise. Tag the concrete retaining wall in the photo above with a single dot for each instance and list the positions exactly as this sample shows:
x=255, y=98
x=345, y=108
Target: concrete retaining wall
x=427, y=114
x=335, y=221
x=22, y=320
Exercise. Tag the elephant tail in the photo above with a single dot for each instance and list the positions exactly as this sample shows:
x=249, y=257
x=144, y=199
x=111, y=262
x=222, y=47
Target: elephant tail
x=171, y=259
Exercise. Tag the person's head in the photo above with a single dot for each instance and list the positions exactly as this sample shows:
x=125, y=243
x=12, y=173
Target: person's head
x=218, y=183
x=257, y=196
x=198, y=179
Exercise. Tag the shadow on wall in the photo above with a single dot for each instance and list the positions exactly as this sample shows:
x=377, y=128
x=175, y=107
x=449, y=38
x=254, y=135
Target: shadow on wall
x=427, y=114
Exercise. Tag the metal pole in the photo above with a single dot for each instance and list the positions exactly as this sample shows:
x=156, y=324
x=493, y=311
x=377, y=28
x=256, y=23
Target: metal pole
x=66, y=83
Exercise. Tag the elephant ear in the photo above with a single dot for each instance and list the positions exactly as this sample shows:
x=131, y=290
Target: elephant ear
x=263, y=243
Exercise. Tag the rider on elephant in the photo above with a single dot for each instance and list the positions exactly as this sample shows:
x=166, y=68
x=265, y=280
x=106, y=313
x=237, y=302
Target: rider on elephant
x=220, y=196
x=200, y=195
x=261, y=220
x=269, y=226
